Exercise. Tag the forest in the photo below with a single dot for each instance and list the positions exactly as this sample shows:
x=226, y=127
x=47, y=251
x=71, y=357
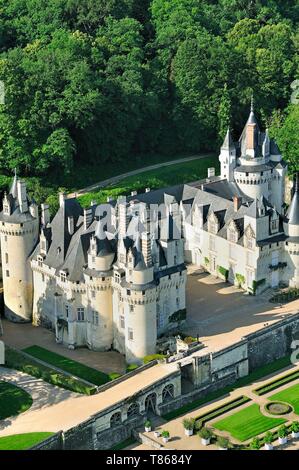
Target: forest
x=98, y=82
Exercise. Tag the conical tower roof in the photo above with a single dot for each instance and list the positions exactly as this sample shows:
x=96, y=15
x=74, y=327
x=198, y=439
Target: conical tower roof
x=228, y=141
x=293, y=212
x=13, y=189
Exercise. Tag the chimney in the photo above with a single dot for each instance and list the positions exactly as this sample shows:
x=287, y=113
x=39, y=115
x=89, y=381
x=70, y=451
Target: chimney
x=22, y=196
x=45, y=217
x=88, y=217
x=70, y=224
x=237, y=203
x=61, y=199
x=133, y=193
x=250, y=139
x=211, y=172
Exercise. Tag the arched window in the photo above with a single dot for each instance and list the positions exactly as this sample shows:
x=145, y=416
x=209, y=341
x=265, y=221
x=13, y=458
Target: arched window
x=133, y=410
x=115, y=419
x=168, y=393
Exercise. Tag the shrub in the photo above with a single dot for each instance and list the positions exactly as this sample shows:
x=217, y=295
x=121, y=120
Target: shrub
x=131, y=367
x=148, y=424
x=205, y=433
x=255, y=444
x=165, y=434
x=282, y=431
x=224, y=272
x=153, y=357
x=189, y=423
x=240, y=279
x=222, y=442
x=294, y=427
x=257, y=284
x=268, y=439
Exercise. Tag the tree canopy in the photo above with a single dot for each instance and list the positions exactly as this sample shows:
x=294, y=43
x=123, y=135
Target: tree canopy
x=99, y=81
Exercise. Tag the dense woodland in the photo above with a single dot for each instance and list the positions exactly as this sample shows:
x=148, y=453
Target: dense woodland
x=96, y=81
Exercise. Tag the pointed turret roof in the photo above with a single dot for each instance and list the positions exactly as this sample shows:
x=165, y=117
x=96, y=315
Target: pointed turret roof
x=228, y=141
x=293, y=212
x=13, y=189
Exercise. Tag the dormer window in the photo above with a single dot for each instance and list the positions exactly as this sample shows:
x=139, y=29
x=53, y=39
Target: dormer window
x=6, y=209
x=249, y=239
x=62, y=276
x=232, y=235
x=40, y=261
x=213, y=224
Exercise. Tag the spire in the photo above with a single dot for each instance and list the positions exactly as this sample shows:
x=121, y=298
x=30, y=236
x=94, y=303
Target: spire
x=13, y=190
x=228, y=141
x=293, y=212
x=252, y=104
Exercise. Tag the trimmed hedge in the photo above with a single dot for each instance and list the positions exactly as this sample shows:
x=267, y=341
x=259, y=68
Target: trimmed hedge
x=224, y=272
x=16, y=360
x=277, y=383
x=231, y=405
x=153, y=357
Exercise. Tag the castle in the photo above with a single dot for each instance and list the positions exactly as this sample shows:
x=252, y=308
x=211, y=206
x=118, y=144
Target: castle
x=114, y=282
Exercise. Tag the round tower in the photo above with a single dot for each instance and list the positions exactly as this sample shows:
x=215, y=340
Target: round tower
x=98, y=278
x=19, y=229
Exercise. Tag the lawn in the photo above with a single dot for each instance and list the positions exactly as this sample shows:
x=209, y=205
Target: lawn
x=289, y=395
x=17, y=360
x=23, y=441
x=166, y=176
x=258, y=374
x=68, y=365
x=13, y=400
x=247, y=423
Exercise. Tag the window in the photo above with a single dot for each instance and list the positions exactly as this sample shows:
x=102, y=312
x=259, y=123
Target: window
x=232, y=235
x=43, y=277
x=93, y=259
x=212, y=243
x=95, y=318
x=6, y=258
x=117, y=278
x=128, y=292
x=63, y=277
x=7, y=273
x=249, y=258
x=5, y=238
x=250, y=244
x=67, y=310
x=80, y=314
x=132, y=308
x=130, y=334
x=122, y=322
x=177, y=303
x=40, y=261
x=175, y=261
x=93, y=294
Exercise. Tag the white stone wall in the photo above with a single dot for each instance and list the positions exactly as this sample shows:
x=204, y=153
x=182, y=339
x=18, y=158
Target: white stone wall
x=17, y=243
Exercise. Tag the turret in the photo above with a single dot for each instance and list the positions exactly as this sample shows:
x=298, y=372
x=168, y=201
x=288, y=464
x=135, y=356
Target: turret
x=227, y=157
x=291, y=227
x=19, y=235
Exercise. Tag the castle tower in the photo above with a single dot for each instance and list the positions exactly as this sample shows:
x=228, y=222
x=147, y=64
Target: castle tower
x=98, y=277
x=227, y=157
x=260, y=169
x=291, y=227
x=19, y=229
